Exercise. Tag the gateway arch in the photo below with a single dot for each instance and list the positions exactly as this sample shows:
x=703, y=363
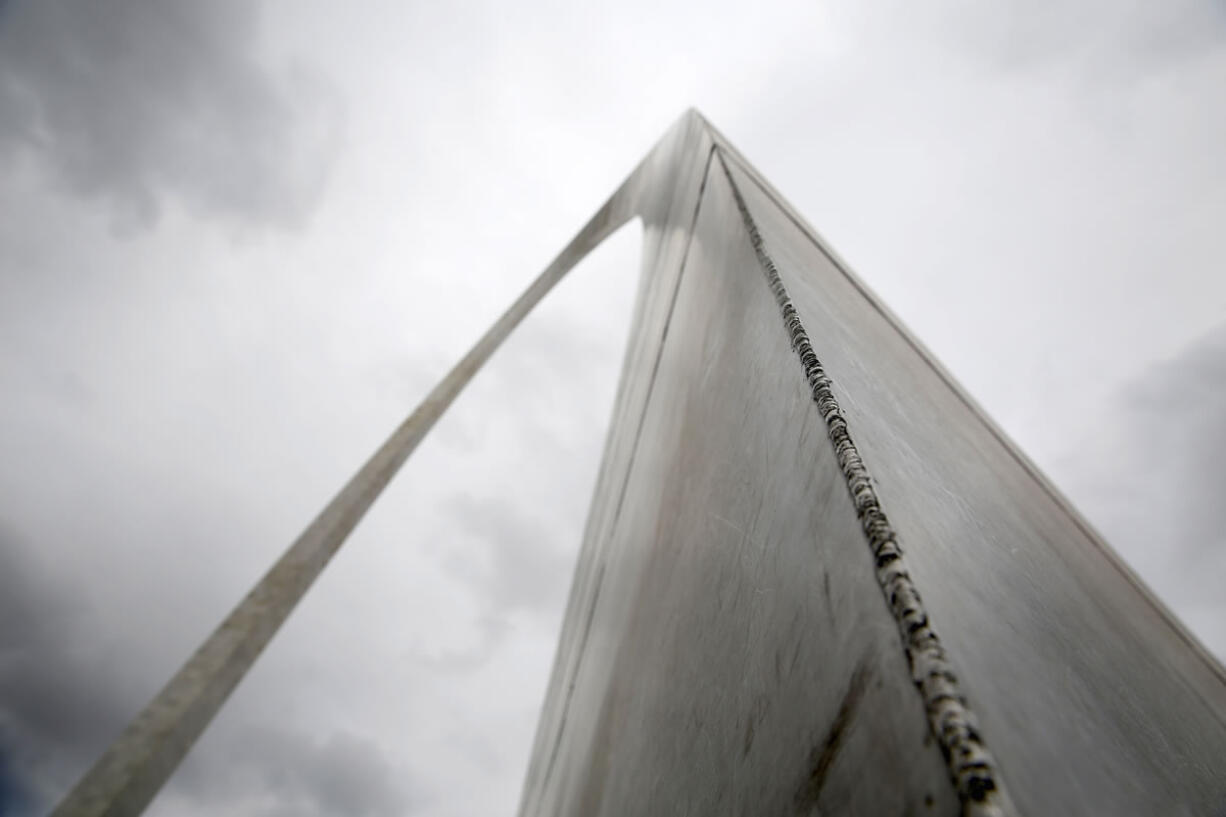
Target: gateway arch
x=815, y=578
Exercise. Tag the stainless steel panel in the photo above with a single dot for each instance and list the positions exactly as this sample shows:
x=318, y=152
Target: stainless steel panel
x=726, y=613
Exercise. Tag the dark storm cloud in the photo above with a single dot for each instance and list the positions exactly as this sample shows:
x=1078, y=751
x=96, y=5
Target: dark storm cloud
x=55, y=704
x=138, y=101
x=1180, y=417
x=1152, y=480
x=60, y=706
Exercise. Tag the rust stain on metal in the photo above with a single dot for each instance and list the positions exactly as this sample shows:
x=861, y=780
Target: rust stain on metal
x=827, y=750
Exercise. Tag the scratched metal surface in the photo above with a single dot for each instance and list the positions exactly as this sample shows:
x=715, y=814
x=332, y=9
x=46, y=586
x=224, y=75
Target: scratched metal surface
x=727, y=648
x=1091, y=700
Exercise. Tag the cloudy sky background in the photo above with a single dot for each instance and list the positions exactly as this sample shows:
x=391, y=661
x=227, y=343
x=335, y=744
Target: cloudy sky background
x=239, y=241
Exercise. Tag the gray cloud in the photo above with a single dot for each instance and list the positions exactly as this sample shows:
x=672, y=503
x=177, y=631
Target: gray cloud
x=135, y=102
x=60, y=706
x=518, y=562
x=1134, y=36
x=1152, y=478
x=1042, y=184
x=56, y=705
x=269, y=770
x=1181, y=408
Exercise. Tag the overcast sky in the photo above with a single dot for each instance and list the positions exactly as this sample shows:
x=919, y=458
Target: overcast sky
x=239, y=241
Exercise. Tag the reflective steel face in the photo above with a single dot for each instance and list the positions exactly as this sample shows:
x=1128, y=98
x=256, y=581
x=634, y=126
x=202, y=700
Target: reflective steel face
x=738, y=639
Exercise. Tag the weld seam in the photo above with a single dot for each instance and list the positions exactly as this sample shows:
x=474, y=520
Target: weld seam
x=971, y=766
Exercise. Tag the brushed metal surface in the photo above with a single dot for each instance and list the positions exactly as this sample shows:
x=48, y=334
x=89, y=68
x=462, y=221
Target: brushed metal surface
x=738, y=640
x=725, y=617
x=1093, y=698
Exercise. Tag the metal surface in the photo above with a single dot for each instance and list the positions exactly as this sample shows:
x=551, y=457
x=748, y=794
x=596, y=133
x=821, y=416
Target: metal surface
x=727, y=646
x=741, y=636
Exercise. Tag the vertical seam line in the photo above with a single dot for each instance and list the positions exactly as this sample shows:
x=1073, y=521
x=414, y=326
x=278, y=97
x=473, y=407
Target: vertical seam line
x=971, y=766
